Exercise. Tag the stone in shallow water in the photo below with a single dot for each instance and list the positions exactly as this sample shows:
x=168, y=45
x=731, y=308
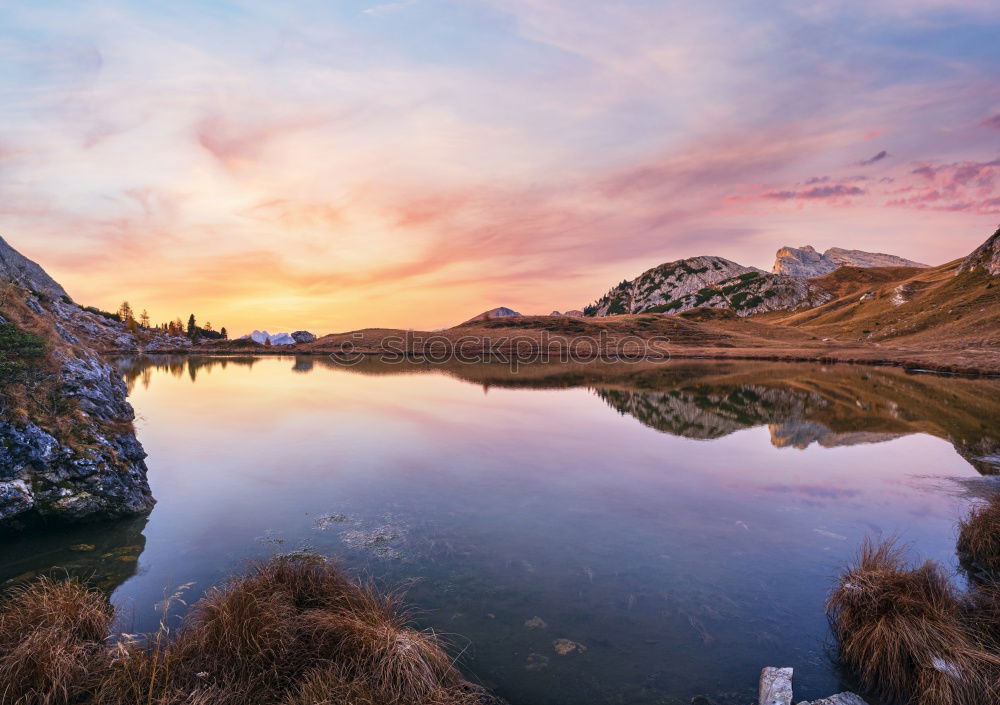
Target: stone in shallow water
x=565, y=646
x=775, y=686
x=839, y=699
x=536, y=662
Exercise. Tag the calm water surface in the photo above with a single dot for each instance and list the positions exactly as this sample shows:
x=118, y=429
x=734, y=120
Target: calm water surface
x=680, y=523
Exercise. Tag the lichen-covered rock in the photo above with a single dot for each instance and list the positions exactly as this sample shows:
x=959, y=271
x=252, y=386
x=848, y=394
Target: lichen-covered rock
x=986, y=257
x=303, y=336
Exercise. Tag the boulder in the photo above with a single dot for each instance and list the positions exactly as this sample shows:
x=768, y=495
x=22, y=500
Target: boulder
x=303, y=336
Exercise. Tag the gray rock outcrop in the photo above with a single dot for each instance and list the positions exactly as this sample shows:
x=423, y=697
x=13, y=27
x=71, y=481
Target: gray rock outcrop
x=805, y=262
x=986, y=257
x=303, y=336
x=70, y=451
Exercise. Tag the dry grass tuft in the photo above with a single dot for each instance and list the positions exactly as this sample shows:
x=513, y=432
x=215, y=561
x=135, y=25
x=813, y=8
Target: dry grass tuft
x=52, y=642
x=290, y=631
x=979, y=542
x=908, y=634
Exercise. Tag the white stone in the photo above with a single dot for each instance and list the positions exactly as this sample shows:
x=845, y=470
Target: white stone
x=775, y=686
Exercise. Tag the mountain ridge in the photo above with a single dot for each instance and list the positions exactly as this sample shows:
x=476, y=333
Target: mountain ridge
x=806, y=263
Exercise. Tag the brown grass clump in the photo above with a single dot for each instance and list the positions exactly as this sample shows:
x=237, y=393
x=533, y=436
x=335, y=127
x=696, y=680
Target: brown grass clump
x=52, y=642
x=979, y=542
x=290, y=631
x=907, y=633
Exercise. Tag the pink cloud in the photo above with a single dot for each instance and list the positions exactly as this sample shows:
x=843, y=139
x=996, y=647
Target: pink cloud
x=832, y=192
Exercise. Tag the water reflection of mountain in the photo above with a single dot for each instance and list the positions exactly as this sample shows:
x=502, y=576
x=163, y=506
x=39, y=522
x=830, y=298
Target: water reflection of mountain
x=801, y=403
x=831, y=406
x=104, y=554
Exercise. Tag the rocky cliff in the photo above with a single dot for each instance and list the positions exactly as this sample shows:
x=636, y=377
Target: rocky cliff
x=16, y=268
x=805, y=262
x=985, y=257
x=68, y=449
x=712, y=282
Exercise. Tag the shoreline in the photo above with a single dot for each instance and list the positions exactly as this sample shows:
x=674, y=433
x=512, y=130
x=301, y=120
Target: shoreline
x=906, y=362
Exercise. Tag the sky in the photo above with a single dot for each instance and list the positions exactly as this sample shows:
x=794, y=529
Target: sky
x=343, y=164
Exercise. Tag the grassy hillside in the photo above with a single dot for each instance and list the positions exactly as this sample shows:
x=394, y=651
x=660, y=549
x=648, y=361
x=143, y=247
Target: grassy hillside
x=932, y=308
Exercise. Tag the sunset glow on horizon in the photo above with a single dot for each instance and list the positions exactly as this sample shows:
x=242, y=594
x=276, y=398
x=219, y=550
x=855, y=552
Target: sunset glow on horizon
x=336, y=165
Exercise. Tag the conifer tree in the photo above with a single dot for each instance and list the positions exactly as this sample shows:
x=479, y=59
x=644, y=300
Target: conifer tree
x=125, y=312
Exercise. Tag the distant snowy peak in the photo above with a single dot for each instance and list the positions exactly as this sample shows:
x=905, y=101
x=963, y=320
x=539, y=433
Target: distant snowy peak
x=805, y=262
x=262, y=337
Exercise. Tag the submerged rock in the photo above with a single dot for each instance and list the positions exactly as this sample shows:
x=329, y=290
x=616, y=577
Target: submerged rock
x=536, y=623
x=564, y=647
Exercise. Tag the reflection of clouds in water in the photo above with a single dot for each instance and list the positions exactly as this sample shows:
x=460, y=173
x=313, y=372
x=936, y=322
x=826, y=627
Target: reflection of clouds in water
x=813, y=491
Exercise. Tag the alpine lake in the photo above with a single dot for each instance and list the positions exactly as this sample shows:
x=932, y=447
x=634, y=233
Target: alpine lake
x=606, y=532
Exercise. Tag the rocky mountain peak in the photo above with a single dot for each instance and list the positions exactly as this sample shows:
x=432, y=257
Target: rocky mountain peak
x=710, y=282
x=498, y=312
x=805, y=262
x=666, y=284
x=986, y=256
